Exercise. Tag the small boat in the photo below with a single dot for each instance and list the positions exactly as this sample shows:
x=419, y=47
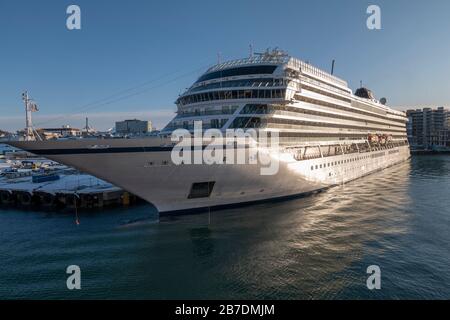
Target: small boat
x=44, y=177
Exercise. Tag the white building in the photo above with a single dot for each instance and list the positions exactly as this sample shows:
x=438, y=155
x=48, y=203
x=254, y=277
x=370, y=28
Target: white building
x=133, y=127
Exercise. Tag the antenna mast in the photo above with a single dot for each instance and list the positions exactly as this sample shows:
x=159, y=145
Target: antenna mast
x=30, y=106
x=88, y=129
x=28, y=123
x=219, y=57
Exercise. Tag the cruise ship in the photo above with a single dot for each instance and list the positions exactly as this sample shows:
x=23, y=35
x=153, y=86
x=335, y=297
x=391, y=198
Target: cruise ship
x=327, y=136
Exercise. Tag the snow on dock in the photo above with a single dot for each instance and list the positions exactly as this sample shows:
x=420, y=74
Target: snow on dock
x=65, y=188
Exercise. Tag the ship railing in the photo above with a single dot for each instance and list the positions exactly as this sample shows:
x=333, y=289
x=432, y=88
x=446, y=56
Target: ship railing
x=323, y=151
x=256, y=59
x=324, y=85
x=305, y=67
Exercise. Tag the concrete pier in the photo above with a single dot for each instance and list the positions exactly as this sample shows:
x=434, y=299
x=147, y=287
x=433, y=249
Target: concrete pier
x=70, y=191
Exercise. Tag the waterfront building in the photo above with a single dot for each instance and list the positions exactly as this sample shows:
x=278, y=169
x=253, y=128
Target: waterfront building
x=65, y=131
x=133, y=127
x=428, y=127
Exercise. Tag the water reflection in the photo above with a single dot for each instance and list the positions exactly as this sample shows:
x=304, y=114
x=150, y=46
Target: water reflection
x=286, y=249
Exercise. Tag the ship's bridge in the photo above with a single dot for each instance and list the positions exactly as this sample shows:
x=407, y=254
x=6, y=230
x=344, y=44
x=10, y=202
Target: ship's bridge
x=228, y=89
x=254, y=77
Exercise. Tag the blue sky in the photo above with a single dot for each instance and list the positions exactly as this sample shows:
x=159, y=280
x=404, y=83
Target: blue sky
x=148, y=52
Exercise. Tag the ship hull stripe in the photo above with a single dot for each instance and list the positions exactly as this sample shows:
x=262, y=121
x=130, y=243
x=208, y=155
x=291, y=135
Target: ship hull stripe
x=55, y=152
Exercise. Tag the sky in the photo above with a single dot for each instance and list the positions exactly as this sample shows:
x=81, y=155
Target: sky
x=131, y=59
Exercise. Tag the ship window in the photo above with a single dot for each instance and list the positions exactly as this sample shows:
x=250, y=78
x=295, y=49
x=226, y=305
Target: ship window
x=257, y=109
x=223, y=122
x=312, y=167
x=215, y=123
x=238, y=72
x=201, y=190
x=317, y=166
x=256, y=83
x=244, y=122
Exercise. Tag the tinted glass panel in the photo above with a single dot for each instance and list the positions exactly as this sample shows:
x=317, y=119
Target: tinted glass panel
x=263, y=82
x=257, y=109
x=238, y=72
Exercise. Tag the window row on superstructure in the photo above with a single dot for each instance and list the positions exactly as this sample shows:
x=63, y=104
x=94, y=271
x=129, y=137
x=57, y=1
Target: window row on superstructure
x=212, y=123
x=248, y=83
x=232, y=95
x=275, y=123
x=325, y=93
x=206, y=111
x=283, y=123
x=351, y=108
x=309, y=115
x=307, y=79
x=238, y=71
x=300, y=110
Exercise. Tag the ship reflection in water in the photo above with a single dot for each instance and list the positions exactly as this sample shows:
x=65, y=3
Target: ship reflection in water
x=310, y=248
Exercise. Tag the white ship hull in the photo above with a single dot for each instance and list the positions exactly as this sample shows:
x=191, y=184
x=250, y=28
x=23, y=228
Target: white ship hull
x=144, y=168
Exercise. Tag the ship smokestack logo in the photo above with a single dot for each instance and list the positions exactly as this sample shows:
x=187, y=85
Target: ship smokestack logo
x=237, y=147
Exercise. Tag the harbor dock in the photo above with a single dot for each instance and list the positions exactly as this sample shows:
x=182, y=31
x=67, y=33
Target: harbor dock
x=38, y=183
x=69, y=191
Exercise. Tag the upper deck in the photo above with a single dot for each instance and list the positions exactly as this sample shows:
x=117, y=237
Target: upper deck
x=270, y=65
